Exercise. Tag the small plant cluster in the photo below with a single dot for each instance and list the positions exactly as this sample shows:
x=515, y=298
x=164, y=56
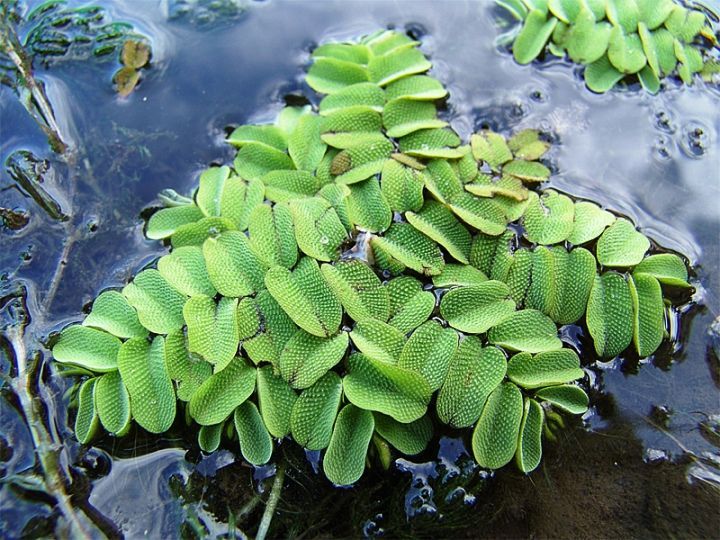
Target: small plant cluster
x=616, y=39
x=359, y=275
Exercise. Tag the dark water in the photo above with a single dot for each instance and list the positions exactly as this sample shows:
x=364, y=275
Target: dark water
x=644, y=461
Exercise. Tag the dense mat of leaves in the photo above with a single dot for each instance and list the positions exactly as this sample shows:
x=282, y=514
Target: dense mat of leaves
x=618, y=39
x=359, y=274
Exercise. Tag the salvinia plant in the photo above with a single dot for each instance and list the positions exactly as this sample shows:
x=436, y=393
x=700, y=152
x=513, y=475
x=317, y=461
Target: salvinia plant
x=359, y=275
x=618, y=40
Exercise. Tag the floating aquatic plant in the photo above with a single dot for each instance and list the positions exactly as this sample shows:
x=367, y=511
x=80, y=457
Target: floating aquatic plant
x=359, y=275
x=617, y=39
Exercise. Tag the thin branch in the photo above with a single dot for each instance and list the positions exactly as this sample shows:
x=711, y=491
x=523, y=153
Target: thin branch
x=272, y=502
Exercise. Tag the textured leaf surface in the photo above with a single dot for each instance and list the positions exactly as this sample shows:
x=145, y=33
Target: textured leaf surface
x=318, y=230
x=218, y=396
x=86, y=419
x=625, y=51
x=269, y=135
x=344, y=461
x=601, y=75
x=86, y=347
x=410, y=248
x=439, y=224
x=431, y=143
x=474, y=373
x=610, y=314
x=419, y=87
x=587, y=40
x=567, y=397
x=194, y=234
x=152, y=397
x=272, y=235
x=649, y=313
x=477, y=308
x=158, y=305
x=410, y=305
x=209, y=437
x=621, y=245
x=533, y=36
x=590, y=222
x=527, y=171
x=164, y=222
x=188, y=369
x=358, y=289
x=401, y=186
x=365, y=94
x=378, y=386
x=410, y=439
x=212, y=329
x=529, y=449
x=276, y=401
x=305, y=297
x=378, y=340
x=526, y=330
x=304, y=144
x=485, y=215
x=264, y=327
x=361, y=161
x=549, y=218
x=491, y=148
x=454, y=275
x=112, y=402
x=283, y=186
x=495, y=438
x=256, y=445
x=232, y=266
x=314, y=412
x=429, y=351
x=397, y=64
x=404, y=116
x=544, y=369
x=330, y=75
x=306, y=358
x=184, y=268
x=367, y=207
x=667, y=268
x=255, y=160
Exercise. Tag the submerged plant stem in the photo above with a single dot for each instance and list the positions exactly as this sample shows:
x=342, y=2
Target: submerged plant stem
x=272, y=502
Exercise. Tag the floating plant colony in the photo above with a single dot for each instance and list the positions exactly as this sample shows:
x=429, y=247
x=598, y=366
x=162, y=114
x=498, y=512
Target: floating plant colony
x=359, y=275
x=617, y=39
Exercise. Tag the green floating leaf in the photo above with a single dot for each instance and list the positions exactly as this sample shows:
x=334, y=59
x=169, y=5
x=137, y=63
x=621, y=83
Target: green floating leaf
x=549, y=218
x=256, y=445
x=487, y=253
x=495, y=437
x=649, y=313
x=276, y=401
x=212, y=329
x=358, y=289
x=667, y=268
x=306, y=358
x=305, y=297
x=272, y=235
x=184, y=268
x=158, y=305
x=432, y=144
x=428, y=352
x=397, y=64
x=610, y=314
x=318, y=229
x=366, y=206
x=442, y=181
x=344, y=461
x=378, y=340
x=330, y=75
x=526, y=330
x=112, y=313
x=477, y=308
x=350, y=52
x=621, y=245
x=314, y=412
x=401, y=186
x=474, y=374
x=567, y=397
x=486, y=215
x=455, y=275
x=86, y=420
x=410, y=305
x=484, y=185
x=211, y=190
x=418, y=87
x=404, y=116
x=601, y=76
x=623, y=13
x=152, y=397
x=529, y=446
x=576, y=273
x=410, y=439
x=439, y=224
x=544, y=369
x=361, y=160
x=163, y=223
x=283, y=186
x=194, y=234
x=365, y=94
x=219, y=395
x=526, y=171
x=264, y=327
x=649, y=80
x=533, y=36
x=231, y=264
x=379, y=386
x=410, y=248
x=209, y=437
x=654, y=12
x=565, y=10
x=188, y=369
x=385, y=41
x=519, y=274
x=625, y=51
x=491, y=148
x=590, y=222
x=269, y=135
x=88, y=348
x=304, y=144
x=587, y=40
x=684, y=23
x=345, y=128
x=255, y=160
x=112, y=403
x=336, y=195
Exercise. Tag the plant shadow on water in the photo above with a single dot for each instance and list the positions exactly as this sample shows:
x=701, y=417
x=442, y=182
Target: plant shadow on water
x=644, y=461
